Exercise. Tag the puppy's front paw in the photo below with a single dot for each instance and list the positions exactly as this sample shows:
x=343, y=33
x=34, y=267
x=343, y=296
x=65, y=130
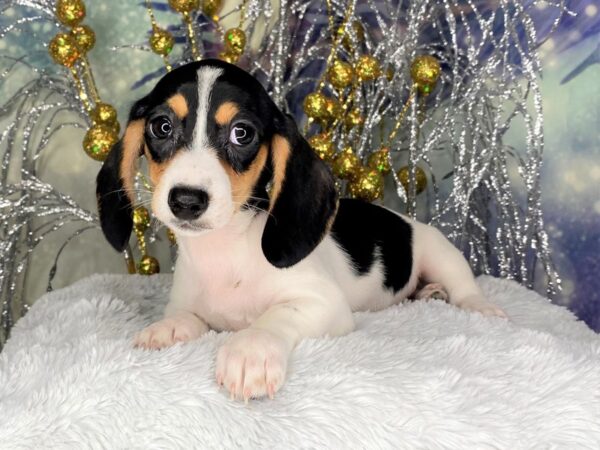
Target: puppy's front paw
x=252, y=363
x=480, y=305
x=168, y=331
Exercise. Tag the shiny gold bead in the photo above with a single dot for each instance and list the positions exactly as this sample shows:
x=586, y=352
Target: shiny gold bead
x=70, y=12
x=64, y=50
x=148, y=265
x=340, y=74
x=420, y=179
x=379, y=160
x=161, y=41
x=141, y=219
x=353, y=119
x=235, y=41
x=425, y=71
x=98, y=141
x=367, y=68
x=315, y=105
x=322, y=145
x=346, y=164
x=229, y=57
x=85, y=37
x=104, y=113
x=367, y=185
x=211, y=8
x=184, y=6
x=171, y=237
x=333, y=109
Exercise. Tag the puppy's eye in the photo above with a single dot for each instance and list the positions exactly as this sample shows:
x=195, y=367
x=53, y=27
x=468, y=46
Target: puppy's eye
x=161, y=127
x=241, y=134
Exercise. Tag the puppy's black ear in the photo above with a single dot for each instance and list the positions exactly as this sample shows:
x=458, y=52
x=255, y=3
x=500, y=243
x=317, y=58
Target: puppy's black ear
x=303, y=199
x=114, y=185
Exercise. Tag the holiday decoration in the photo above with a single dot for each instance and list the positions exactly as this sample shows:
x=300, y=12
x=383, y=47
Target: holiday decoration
x=70, y=12
x=367, y=68
x=378, y=92
x=367, y=185
x=64, y=49
x=99, y=140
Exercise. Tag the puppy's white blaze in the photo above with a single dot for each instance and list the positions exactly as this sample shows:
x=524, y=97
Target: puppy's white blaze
x=207, y=76
x=198, y=167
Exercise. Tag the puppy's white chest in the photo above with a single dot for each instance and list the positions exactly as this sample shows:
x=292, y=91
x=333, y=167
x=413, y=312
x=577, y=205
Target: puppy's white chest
x=230, y=281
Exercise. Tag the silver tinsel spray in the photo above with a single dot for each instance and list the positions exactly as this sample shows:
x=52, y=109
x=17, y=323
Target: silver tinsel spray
x=483, y=193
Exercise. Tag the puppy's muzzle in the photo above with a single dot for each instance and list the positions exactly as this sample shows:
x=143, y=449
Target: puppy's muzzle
x=187, y=203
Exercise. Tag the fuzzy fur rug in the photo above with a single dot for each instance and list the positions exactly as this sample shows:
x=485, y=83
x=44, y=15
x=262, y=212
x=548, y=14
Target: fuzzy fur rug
x=418, y=375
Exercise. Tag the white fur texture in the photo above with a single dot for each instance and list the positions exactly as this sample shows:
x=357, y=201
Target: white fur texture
x=418, y=375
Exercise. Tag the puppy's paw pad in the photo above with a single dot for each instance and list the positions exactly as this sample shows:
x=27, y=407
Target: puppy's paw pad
x=432, y=290
x=252, y=364
x=168, y=331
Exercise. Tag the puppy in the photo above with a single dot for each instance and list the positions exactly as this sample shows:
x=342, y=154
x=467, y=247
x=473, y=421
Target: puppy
x=265, y=248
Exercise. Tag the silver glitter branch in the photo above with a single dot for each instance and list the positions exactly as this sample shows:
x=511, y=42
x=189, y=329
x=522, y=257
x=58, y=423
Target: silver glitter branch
x=30, y=209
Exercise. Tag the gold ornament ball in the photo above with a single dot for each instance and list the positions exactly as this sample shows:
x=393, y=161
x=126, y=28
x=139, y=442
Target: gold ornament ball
x=379, y=160
x=346, y=164
x=184, y=6
x=368, y=185
x=333, y=110
x=229, y=57
x=70, y=12
x=98, y=141
x=148, y=265
x=353, y=119
x=322, y=145
x=367, y=68
x=161, y=41
x=141, y=219
x=212, y=7
x=315, y=105
x=235, y=41
x=64, y=50
x=85, y=37
x=425, y=71
x=340, y=74
x=104, y=113
x=420, y=179
x=171, y=236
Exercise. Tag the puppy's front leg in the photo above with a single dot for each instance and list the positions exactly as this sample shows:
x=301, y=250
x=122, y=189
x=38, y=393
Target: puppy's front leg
x=180, y=323
x=253, y=362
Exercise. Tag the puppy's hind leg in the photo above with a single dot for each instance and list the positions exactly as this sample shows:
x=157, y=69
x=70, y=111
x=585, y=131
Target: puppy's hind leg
x=440, y=262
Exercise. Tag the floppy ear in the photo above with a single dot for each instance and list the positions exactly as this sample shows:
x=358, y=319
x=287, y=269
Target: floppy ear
x=114, y=186
x=303, y=199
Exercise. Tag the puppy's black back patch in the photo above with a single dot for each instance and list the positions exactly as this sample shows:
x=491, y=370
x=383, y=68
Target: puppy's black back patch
x=366, y=232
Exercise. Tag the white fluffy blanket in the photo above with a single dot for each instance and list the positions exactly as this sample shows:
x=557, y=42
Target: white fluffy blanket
x=419, y=375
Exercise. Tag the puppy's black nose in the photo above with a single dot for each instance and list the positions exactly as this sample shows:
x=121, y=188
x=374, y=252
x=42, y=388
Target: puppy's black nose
x=187, y=203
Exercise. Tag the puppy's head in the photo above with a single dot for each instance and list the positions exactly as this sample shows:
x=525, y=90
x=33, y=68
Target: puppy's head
x=216, y=145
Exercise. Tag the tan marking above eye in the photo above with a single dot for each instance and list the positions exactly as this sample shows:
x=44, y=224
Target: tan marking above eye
x=243, y=183
x=132, y=146
x=179, y=105
x=280, y=149
x=226, y=112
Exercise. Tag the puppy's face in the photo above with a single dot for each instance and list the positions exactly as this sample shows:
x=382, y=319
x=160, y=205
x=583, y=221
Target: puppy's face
x=214, y=141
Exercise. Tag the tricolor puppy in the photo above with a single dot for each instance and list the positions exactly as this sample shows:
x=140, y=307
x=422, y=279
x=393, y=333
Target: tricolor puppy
x=265, y=248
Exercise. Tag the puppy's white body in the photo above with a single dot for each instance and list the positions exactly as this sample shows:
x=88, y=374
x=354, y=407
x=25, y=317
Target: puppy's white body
x=224, y=278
